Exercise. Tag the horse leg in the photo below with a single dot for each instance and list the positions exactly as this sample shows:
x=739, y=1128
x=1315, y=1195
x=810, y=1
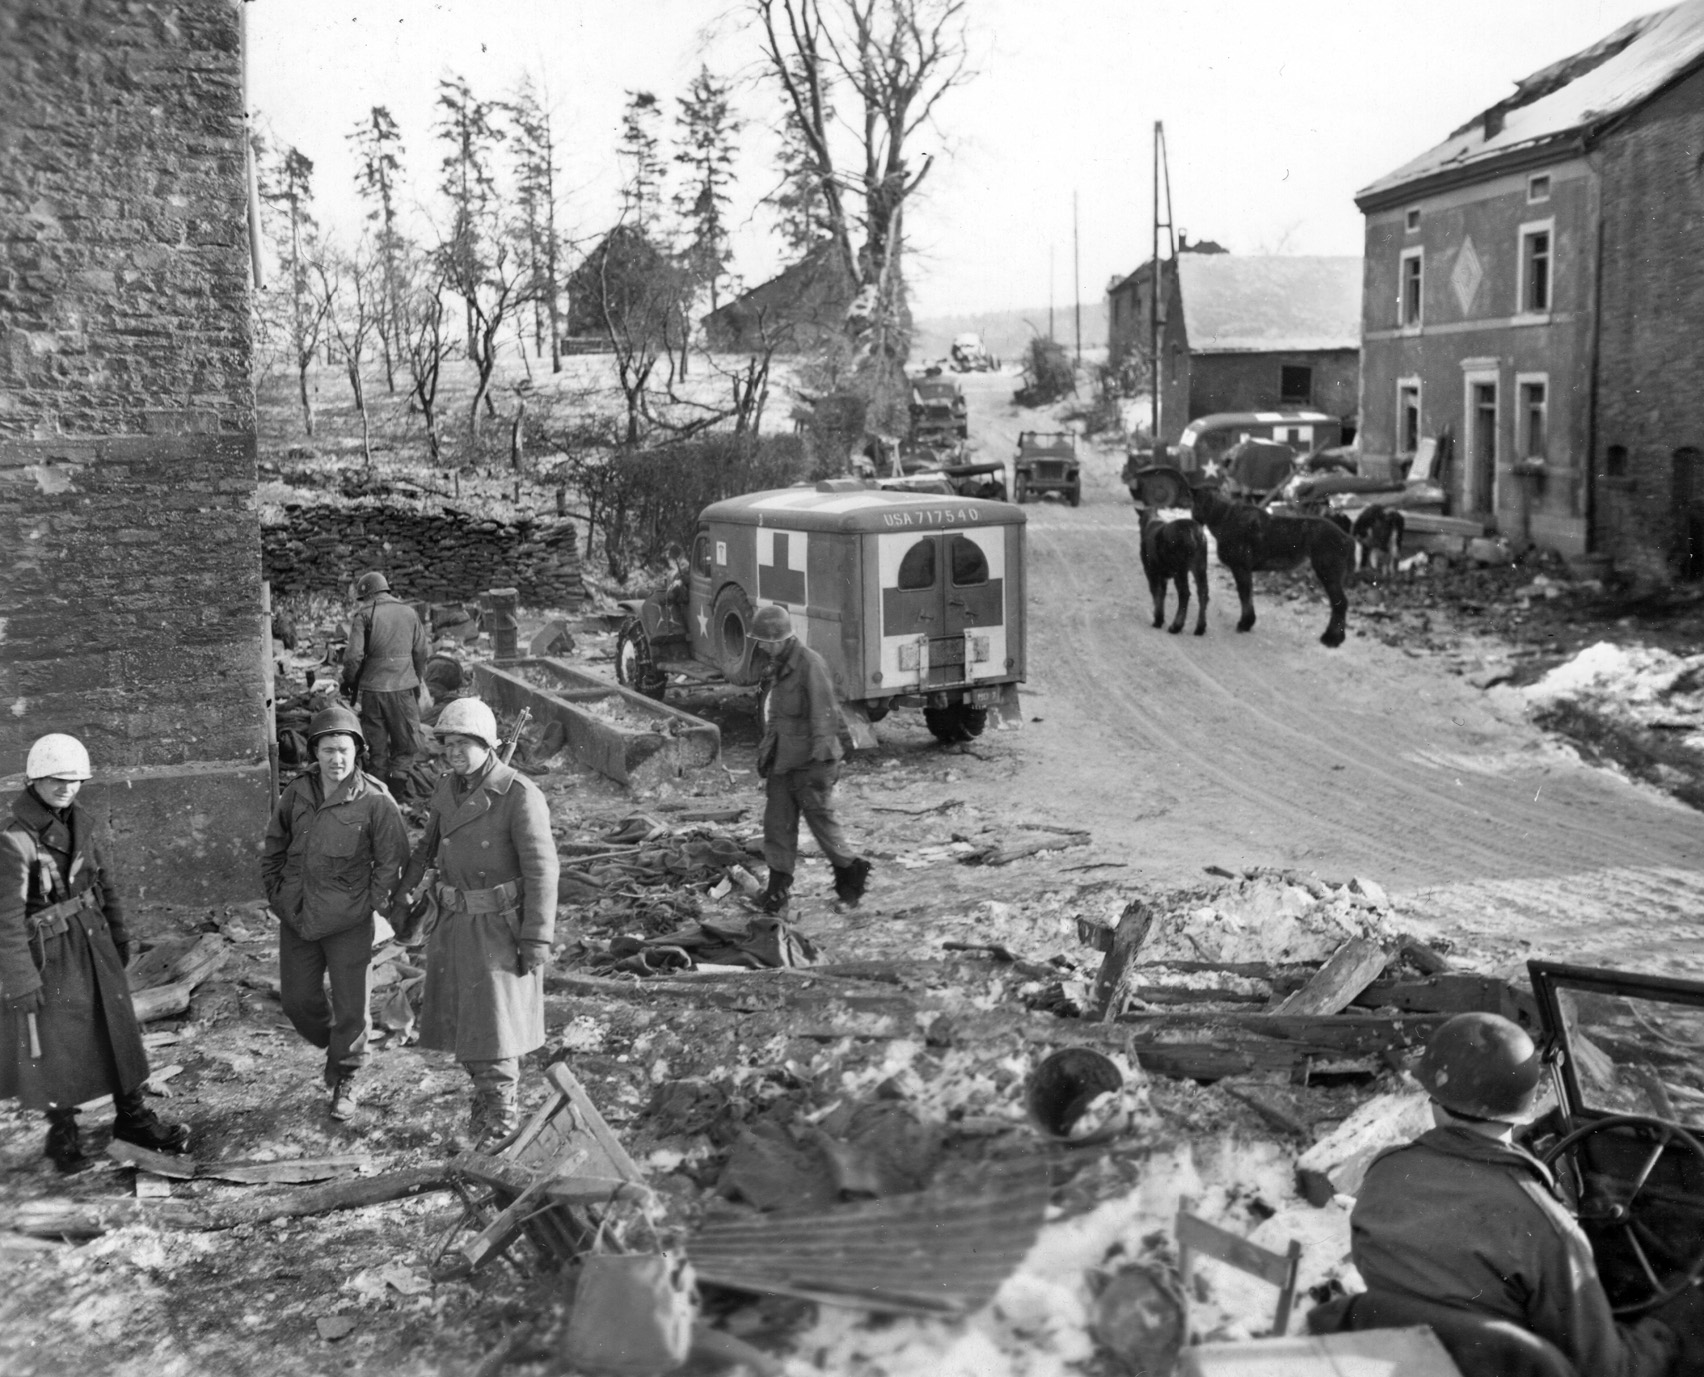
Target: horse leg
x=1330, y=572
x=1198, y=566
x=1243, y=576
x=1181, y=579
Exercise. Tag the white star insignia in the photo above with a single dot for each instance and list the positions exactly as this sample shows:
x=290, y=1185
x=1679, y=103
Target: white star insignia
x=1212, y=469
x=703, y=624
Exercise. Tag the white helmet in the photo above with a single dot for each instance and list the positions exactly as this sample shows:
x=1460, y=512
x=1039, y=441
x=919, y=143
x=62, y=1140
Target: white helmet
x=468, y=717
x=57, y=756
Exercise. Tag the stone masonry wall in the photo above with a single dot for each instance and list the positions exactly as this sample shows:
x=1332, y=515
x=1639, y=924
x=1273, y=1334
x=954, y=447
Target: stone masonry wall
x=1651, y=345
x=130, y=586
x=445, y=555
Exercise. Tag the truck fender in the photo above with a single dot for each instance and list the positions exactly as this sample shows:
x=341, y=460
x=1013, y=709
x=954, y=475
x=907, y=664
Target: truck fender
x=633, y=607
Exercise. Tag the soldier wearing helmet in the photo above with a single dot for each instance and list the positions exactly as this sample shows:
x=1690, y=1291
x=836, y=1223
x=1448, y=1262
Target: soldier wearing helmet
x=799, y=761
x=68, y=1032
x=333, y=853
x=384, y=664
x=1465, y=1218
x=489, y=845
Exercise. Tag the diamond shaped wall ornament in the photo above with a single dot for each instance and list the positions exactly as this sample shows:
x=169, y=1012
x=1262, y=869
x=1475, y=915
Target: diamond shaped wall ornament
x=1466, y=276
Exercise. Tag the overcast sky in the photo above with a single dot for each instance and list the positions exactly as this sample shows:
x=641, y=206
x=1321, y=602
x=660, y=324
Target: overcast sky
x=1275, y=113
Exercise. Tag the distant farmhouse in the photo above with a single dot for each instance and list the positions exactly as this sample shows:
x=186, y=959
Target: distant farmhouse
x=1244, y=333
x=1535, y=291
x=791, y=313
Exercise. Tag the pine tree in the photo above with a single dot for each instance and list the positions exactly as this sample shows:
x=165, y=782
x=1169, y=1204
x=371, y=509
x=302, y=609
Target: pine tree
x=468, y=126
x=535, y=186
x=642, y=197
x=801, y=209
x=707, y=129
x=287, y=187
x=379, y=144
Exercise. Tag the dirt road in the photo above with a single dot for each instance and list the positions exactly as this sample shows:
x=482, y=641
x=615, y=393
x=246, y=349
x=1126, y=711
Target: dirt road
x=1266, y=748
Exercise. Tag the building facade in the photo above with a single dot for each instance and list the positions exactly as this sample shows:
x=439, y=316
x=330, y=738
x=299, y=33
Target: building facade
x=1534, y=298
x=131, y=604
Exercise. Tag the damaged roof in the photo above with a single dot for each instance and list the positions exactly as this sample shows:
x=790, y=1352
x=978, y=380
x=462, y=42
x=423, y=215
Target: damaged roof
x=1266, y=305
x=1568, y=98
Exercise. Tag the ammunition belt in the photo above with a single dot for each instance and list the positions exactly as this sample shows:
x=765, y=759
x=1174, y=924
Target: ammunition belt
x=55, y=918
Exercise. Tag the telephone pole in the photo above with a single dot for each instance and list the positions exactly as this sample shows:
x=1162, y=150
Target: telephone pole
x=1076, y=279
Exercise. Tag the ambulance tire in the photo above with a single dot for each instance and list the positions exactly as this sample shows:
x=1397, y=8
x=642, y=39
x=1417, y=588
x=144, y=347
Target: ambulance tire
x=634, y=666
x=956, y=723
x=730, y=623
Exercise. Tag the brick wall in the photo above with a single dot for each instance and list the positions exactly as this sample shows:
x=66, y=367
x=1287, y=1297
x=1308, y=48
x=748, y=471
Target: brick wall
x=1651, y=348
x=130, y=593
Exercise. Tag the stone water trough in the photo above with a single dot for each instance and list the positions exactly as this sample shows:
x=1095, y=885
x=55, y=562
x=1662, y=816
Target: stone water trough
x=632, y=739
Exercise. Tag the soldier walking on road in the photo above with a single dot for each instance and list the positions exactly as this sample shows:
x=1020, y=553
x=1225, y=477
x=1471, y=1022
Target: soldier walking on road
x=334, y=851
x=799, y=760
x=68, y=1031
x=384, y=664
x=488, y=838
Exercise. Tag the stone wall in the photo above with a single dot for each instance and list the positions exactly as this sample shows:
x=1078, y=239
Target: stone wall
x=130, y=588
x=1649, y=492
x=438, y=556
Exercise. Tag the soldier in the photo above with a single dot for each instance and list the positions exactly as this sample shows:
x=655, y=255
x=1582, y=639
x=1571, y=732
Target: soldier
x=799, y=760
x=1464, y=1217
x=384, y=663
x=488, y=838
x=68, y=1032
x=334, y=851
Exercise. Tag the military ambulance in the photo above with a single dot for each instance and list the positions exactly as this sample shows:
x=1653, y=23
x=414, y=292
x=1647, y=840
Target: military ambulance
x=913, y=599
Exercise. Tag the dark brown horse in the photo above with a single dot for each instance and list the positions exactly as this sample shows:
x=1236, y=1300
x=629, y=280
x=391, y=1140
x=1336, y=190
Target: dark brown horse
x=1173, y=550
x=1250, y=538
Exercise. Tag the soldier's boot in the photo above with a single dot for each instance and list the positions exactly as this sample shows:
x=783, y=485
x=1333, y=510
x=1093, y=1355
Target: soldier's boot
x=64, y=1143
x=774, y=898
x=137, y=1123
x=495, y=1118
x=851, y=880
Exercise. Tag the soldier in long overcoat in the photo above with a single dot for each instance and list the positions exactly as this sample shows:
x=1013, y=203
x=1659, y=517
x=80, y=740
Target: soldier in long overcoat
x=488, y=838
x=68, y=1031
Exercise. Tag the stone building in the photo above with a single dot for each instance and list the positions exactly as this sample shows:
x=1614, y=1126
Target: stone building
x=130, y=585
x=791, y=313
x=1237, y=333
x=1535, y=291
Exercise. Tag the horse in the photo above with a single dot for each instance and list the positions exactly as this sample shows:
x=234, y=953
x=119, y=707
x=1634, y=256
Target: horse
x=1250, y=538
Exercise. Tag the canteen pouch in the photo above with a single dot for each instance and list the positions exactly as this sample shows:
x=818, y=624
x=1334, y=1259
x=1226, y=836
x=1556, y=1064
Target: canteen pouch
x=632, y=1314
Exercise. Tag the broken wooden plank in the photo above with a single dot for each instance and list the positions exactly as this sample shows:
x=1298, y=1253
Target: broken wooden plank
x=160, y=1163
x=1425, y=958
x=1116, y=975
x=287, y=1170
x=1007, y=852
x=1354, y=966
x=1455, y=992
x=592, y=1121
x=161, y=1001
x=174, y=963
x=1278, y=1118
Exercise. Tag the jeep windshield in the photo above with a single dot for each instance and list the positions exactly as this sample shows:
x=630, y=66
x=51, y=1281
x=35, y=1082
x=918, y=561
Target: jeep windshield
x=1630, y=1044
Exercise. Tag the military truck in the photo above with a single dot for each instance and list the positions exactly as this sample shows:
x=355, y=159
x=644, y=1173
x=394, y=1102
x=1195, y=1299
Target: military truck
x=938, y=407
x=915, y=600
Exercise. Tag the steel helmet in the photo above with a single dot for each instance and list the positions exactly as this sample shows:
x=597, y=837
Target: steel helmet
x=1482, y=1066
x=330, y=721
x=57, y=756
x=772, y=623
x=468, y=717
x=369, y=584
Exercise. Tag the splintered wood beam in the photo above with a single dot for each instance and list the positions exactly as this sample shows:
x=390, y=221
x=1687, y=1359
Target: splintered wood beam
x=1117, y=971
x=1353, y=967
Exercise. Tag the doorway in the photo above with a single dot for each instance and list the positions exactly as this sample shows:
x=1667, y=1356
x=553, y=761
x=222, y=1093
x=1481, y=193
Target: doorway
x=1479, y=478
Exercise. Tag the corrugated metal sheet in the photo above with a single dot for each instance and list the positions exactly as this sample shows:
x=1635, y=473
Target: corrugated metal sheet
x=943, y=1251
x=1266, y=305
x=1646, y=54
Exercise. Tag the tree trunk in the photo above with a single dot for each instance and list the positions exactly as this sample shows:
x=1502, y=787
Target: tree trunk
x=302, y=389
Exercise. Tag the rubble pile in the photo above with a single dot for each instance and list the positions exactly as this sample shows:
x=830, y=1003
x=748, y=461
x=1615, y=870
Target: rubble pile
x=438, y=554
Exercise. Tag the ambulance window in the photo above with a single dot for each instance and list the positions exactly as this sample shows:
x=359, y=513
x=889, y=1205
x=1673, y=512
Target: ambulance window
x=970, y=565
x=701, y=555
x=917, y=569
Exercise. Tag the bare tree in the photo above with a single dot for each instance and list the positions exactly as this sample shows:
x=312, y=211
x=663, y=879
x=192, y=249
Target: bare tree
x=426, y=343
x=494, y=288
x=355, y=286
x=469, y=127
x=894, y=61
x=633, y=294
